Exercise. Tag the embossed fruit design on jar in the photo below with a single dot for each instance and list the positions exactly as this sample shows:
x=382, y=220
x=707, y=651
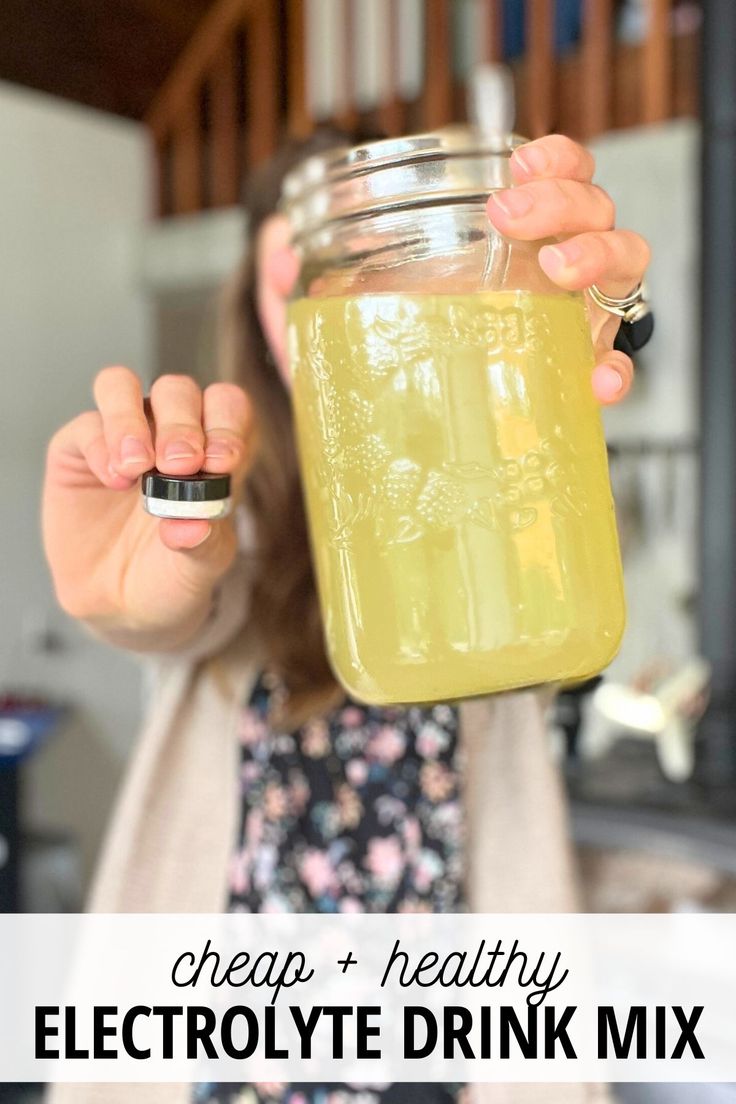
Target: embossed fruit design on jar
x=452, y=452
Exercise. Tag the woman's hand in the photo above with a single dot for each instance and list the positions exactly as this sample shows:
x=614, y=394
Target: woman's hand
x=114, y=565
x=554, y=197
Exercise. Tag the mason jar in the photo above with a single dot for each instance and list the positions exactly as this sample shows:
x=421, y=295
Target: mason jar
x=452, y=452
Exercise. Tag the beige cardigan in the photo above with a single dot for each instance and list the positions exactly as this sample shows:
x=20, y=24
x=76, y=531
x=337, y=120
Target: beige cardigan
x=171, y=835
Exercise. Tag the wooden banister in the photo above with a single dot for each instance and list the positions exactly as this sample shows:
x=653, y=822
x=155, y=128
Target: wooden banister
x=186, y=160
x=243, y=79
x=212, y=34
x=539, y=29
x=225, y=167
x=262, y=91
x=391, y=113
x=596, y=67
x=494, y=30
x=348, y=115
x=657, y=62
x=299, y=120
x=437, y=100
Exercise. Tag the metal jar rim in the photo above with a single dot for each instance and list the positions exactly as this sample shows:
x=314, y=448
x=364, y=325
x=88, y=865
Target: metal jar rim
x=455, y=165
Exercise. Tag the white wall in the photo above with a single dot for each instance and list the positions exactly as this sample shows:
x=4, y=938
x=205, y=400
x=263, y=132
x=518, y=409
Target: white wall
x=652, y=174
x=74, y=194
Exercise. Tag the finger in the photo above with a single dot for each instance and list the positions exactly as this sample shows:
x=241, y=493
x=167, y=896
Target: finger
x=282, y=269
x=552, y=156
x=179, y=535
x=207, y=549
x=204, y=551
x=614, y=260
x=176, y=405
x=78, y=454
x=549, y=208
x=612, y=378
x=119, y=400
x=227, y=419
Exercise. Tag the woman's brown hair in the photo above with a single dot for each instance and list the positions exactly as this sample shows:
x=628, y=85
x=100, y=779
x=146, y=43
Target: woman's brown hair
x=284, y=596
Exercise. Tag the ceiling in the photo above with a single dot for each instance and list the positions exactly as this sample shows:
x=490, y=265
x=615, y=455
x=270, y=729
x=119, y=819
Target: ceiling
x=109, y=54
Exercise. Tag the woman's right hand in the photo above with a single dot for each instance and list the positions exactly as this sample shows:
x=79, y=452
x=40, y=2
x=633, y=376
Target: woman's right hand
x=113, y=564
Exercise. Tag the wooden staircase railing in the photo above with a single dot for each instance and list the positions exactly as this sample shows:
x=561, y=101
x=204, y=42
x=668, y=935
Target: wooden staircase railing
x=242, y=83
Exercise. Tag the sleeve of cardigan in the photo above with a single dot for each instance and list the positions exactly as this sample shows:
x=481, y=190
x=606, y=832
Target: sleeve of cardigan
x=226, y=619
x=520, y=857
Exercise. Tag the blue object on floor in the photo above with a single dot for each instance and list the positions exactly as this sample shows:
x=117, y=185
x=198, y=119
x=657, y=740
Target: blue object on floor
x=25, y=726
x=23, y=731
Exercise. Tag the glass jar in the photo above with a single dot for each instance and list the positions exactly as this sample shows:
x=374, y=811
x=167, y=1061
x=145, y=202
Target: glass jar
x=452, y=452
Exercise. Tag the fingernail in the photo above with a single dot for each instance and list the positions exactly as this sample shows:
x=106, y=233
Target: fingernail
x=179, y=450
x=133, y=451
x=609, y=380
x=115, y=474
x=513, y=202
x=532, y=159
x=561, y=255
x=218, y=450
x=201, y=542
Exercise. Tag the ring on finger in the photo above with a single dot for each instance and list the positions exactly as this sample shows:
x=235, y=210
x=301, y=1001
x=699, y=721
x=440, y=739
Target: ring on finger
x=630, y=308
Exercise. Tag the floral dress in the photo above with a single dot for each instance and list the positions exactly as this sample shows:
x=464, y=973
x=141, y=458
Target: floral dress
x=358, y=811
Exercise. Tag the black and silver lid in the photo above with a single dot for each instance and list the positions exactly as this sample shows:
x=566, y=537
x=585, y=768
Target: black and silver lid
x=201, y=496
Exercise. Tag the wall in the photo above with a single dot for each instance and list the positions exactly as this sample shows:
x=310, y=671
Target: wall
x=74, y=194
x=652, y=173
x=184, y=263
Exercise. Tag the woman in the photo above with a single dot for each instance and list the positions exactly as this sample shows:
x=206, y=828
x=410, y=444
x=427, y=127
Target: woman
x=338, y=807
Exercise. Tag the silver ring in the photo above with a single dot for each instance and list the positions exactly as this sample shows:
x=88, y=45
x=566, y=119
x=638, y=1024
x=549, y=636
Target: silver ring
x=630, y=309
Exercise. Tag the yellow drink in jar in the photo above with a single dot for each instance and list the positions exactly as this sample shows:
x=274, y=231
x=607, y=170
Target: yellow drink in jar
x=457, y=490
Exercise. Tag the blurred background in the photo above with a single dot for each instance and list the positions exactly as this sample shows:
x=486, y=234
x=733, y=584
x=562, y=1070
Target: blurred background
x=126, y=128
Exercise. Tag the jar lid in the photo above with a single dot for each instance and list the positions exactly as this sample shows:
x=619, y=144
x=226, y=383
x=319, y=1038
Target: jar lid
x=202, y=487
x=456, y=165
